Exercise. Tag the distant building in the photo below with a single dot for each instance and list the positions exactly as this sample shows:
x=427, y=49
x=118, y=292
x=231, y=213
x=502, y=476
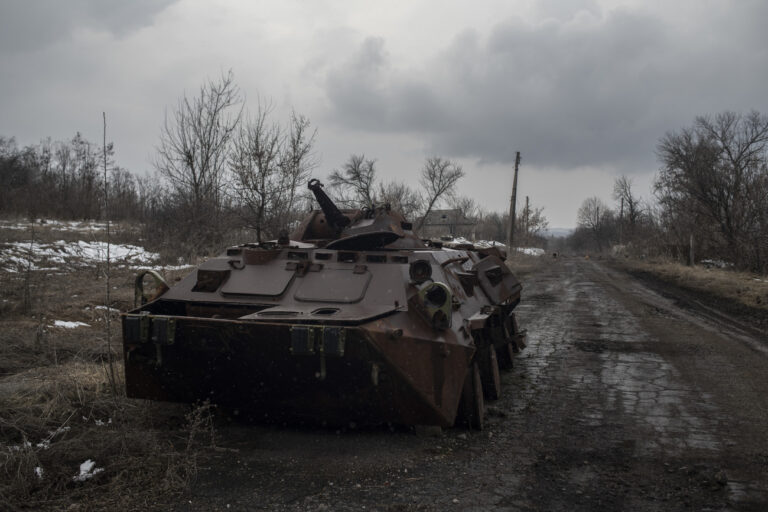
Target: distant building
x=448, y=222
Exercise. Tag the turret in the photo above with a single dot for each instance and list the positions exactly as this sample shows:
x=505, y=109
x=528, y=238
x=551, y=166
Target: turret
x=366, y=229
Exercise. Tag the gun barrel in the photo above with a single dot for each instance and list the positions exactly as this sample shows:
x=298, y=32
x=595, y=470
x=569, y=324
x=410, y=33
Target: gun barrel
x=333, y=215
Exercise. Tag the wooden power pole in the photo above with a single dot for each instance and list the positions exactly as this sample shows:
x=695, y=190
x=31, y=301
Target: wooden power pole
x=526, y=225
x=512, y=206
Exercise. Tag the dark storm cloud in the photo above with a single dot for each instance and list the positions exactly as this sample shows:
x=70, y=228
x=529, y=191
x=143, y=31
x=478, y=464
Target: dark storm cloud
x=582, y=91
x=34, y=24
x=363, y=90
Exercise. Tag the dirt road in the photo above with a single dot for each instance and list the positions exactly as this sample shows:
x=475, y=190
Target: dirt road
x=622, y=401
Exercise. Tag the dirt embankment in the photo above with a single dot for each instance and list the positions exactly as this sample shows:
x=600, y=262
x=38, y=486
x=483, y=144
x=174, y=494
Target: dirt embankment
x=736, y=297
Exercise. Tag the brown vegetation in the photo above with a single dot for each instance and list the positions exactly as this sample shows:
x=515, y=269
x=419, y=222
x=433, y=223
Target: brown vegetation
x=711, y=197
x=57, y=408
x=746, y=288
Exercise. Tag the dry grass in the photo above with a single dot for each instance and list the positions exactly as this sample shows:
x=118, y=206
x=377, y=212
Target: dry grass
x=524, y=264
x=55, y=418
x=58, y=407
x=745, y=288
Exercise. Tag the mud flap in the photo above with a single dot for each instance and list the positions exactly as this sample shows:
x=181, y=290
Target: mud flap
x=489, y=372
x=472, y=406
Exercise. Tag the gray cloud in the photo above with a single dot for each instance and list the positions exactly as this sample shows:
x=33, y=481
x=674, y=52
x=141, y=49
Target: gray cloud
x=364, y=89
x=585, y=90
x=34, y=24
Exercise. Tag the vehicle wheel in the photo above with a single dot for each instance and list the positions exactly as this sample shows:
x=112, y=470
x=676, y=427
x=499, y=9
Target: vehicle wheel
x=472, y=405
x=489, y=373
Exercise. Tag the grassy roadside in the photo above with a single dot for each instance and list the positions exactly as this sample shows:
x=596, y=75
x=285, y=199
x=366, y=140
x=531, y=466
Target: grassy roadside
x=59, y=408
x=523, y=265
x=740, y=294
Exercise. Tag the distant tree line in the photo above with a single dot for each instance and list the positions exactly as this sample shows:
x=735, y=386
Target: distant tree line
x=63, y=179
x=221, y=169
x=224, y=174
x=711, y=189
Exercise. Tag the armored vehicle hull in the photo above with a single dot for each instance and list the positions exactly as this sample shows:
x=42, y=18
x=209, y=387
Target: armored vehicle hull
x=332, y=330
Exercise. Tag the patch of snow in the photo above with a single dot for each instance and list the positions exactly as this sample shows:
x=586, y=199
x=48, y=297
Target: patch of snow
x=103, y=308
x=18, y=447
x=57, y=225
x=161, y=268
x=88, y=470
x=59, y=430
x=716, y=263
x=69, y=325
x=487, y=244
x=111, y=310
x=18, y=256
x=531, y=251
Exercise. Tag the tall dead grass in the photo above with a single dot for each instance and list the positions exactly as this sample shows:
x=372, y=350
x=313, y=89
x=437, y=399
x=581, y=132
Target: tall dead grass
x=57, y=408
x=52, y=419
x=524, y=264
x=743, y=287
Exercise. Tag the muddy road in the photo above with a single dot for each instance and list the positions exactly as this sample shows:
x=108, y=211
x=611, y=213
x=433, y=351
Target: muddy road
x=623, y=400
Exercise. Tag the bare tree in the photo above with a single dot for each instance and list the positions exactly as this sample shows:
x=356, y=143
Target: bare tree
x=532, y=224
x=298, y=158
x=595, y=217
x=438, y=179
x=194, y=143
x=710, y=174
x=355, y=182
x=492, y=225
x=467, y=207
x=632, y=204
x=268, y=164
x=192, y=156
x=400, y=197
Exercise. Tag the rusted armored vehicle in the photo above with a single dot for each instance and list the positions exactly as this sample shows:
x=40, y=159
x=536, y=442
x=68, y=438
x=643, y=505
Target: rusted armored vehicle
x=352, y=318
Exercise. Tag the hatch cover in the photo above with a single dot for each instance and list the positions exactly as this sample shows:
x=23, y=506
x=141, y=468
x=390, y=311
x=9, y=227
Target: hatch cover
x=333, y=285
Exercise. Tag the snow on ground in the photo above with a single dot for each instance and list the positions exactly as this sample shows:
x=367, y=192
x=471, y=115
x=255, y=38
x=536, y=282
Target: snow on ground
x=62, y=255
x=64, y=324
x=709, y=263
x=87, y=470
x=486, y=244
x=531, y=251
x=58, y=225
x=103, y=308
x=16, y=256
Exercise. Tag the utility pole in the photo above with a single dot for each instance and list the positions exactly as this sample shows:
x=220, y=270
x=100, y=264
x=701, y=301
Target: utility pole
x=512, y=205
x=527, y=225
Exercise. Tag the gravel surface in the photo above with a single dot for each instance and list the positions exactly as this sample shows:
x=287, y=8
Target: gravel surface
x=624, y=400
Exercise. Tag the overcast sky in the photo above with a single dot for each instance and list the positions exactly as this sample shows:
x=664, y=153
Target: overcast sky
x=583, y=89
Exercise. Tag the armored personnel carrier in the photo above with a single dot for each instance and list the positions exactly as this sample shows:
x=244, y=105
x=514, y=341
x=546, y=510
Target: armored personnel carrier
x=352, y=318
